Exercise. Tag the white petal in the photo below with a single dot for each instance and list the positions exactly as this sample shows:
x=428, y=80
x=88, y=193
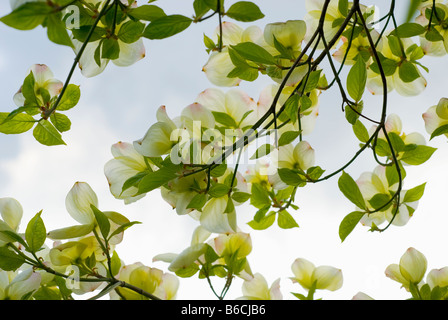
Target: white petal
x=304, y=155
x=78, y=202
x=11, y=211
x=213, y=217
x=328, y=278
x=130, y=53
x=214, y=99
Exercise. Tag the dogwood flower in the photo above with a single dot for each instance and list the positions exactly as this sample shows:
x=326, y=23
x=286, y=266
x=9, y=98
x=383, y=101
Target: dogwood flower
x=15, y=285
x=257, y=288
x=299, y=157
x=323, y=277
x=436, y=116
x=180, y=191
x=289, y=34
x=411, y=269
x=43, y=80
x=152, y=280
x=127, y=163
x=235, y=103
x=78, y=203
x=434, y=48
x=374, y=183
x=394, y=125
x=399, y=80
x=360, y=45
x=129, y=53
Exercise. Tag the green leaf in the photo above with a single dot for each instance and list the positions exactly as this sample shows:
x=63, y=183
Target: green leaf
x=290, y=177
x=9, y=260
x=357, y=79
x=28, y=90
x=353, y=112
x=146, y=13
x=260, y=197
x=224, y=119
x=292, y=107
x=198, y=202
x=408, y=30
x=433, y=35
x=70, y=232
x=414, y=194
x=19, y=124
x=379, y=201
x=315, y=173
x=110, y=49
x=351, y=190
x=70, y=98
x=46, y=134
x=219, y=190
x=288, y=137
x=167, y=26
x=123, y=227
x=361, y=131
x=28, y=16
x=133, y=181
x=262, y=151
x=241, y=197
x=61, y=122
x=131, y=31
x=343, y=7
x=56, y=30
x=312, y=81
x=83, y=32
x=244, y=11
x=418, y=156
x=285, y=53
x=35, y=233
x=219, y=170
x=394, y=45
x=230, y=207
x=200, y=8
x=392, y=174
x=254, y=52
x=244, y=73
x=389, y=66
x=102, y=220
x=156, y=179
x=408, y=72
x=349, y=223
x=439, y=131
x=264, y=223
x=285, y=220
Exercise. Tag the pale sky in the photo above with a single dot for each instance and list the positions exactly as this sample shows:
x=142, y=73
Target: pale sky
x=120, y=105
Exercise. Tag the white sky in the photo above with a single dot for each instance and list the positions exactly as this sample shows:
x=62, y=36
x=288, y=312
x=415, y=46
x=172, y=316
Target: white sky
x=120, y=104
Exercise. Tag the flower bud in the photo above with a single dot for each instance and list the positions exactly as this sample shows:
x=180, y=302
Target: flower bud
x=413, y=265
